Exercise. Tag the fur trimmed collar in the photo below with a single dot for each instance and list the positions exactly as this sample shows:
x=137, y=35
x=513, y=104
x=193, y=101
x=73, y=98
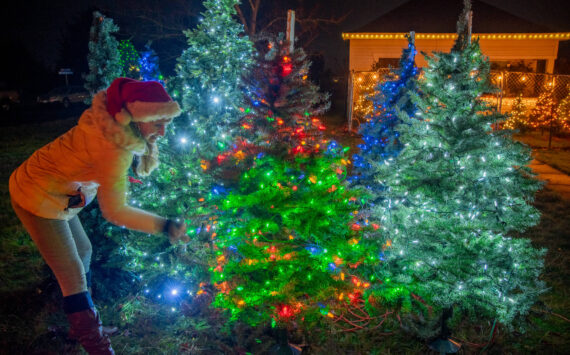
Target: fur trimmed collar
x=97, y=120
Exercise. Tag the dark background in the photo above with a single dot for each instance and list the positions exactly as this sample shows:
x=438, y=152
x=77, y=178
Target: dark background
x=40, y=37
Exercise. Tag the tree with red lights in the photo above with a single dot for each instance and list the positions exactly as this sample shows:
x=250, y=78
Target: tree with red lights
x=544, y=114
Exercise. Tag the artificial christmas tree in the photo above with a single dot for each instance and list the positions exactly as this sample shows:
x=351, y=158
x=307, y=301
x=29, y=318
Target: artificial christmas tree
x=103, y=58
x=287, y=244
x=363, y=106
x=208, y=78
x=209, y=69
x=451, y=197
x=282, y=101
x=518, y=116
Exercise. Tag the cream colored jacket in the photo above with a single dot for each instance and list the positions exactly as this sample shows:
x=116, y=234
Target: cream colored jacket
x=92, y=158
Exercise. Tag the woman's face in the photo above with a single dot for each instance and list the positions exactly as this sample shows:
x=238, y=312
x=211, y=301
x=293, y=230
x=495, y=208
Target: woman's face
x=152, y=130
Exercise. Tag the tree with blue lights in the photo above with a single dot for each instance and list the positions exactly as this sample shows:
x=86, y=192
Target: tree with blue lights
x=130, y=59
x=381, y=139
x=450, y=198
x=149, y=65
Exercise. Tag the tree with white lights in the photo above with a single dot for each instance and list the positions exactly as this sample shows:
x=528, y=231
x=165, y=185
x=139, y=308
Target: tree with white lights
x=104, y=59
x=208, y=78
x=518, y=116
x=207, y=87
x=451, y=197
x=563, y=112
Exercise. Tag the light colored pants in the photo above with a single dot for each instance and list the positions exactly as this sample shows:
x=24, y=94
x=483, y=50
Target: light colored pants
x=64, y=246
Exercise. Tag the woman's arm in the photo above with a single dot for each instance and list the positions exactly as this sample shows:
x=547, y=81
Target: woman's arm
x=112, y=197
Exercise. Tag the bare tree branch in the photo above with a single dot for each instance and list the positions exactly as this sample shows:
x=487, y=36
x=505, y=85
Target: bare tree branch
x=242, y=18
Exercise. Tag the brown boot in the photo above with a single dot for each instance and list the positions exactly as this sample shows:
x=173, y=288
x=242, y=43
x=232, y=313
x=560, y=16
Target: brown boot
x=107, y=330
x=86, y=327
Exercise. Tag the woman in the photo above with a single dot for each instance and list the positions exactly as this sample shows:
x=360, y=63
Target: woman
x=49, y=189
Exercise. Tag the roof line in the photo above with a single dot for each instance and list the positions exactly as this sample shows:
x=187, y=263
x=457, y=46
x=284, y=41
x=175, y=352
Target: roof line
x=563, y=36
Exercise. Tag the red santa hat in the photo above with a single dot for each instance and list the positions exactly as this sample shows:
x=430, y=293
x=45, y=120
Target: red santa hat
x=130, y=100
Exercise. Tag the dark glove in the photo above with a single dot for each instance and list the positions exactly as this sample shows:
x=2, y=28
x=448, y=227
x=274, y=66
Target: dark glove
x=176, y=231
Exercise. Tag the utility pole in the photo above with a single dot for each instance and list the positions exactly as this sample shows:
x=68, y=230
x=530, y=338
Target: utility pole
x=290, y=35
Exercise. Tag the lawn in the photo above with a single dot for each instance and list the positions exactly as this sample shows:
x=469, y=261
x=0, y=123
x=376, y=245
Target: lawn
x=32, y=321
x=558, y=156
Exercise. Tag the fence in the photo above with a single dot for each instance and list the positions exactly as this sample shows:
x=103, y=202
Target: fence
x=510, y=85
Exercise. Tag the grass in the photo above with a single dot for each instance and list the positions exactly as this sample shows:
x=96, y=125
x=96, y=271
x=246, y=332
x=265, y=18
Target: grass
x=559, y=154
x=33, y=323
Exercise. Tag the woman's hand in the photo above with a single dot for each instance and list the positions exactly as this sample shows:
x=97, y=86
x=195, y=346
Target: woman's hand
x=176, y=232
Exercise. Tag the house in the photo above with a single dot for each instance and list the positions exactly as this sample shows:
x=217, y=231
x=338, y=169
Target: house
x=504, y=38
x=512, y=44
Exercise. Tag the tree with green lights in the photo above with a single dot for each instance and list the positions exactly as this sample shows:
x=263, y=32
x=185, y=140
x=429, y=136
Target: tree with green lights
x=518, y=116
x=379, y=135
x=130, y=58
x=452, y=195
x=287, y=239
x=103, y=58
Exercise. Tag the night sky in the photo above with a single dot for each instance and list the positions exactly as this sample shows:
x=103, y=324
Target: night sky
x=48, y=35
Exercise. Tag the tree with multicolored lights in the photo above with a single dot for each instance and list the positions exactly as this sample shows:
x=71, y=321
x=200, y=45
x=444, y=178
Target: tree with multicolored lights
x=282, y=101
x=563, y=113
x=518, y=116
x=149, y=65
x=450, y=199
x=286, y=237
x=104, y=57
x=379, y=134
x=544, y=115
x=130, y=59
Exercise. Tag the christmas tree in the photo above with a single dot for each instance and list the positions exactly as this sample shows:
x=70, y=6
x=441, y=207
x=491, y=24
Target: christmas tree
x=544, y=115
x=380, y=137
x=518, y=116
x=287, y=244
x=283, y=102
x=130, y=59
x=563, y=113
x=363, y=106
x=451, y=197
x=209, y=69
x=149, y=65
x=208, y=77
x=103, y=58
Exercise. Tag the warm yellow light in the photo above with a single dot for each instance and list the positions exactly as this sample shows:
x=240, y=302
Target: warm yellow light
x=435, y=36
